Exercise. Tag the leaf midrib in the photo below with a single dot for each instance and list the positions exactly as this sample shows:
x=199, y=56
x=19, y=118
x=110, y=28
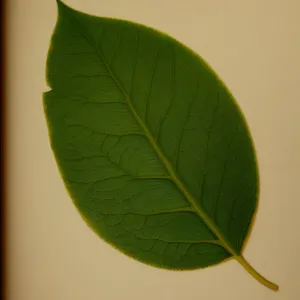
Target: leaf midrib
x=173, y=174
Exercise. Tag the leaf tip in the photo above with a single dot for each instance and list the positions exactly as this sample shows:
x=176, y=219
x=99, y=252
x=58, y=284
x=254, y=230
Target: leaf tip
x=64, y=8
x=61, y=5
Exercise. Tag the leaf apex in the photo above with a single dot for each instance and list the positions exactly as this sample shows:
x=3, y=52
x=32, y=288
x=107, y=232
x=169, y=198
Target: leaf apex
x=64, y=7
x=61, y=4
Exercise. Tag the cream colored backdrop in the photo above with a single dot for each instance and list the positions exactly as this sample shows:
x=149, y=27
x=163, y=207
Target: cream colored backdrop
x=255, y=47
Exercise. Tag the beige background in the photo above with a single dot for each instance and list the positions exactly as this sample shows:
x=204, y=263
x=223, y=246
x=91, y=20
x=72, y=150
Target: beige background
x=254, y=46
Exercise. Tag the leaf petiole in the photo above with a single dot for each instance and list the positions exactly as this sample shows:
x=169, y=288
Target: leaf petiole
x=255, y=274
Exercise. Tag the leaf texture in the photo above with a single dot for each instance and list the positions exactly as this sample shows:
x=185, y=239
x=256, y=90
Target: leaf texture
x=151, y=145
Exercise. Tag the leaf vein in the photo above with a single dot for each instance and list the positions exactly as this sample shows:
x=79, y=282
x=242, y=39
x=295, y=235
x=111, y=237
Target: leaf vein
x=150, y=85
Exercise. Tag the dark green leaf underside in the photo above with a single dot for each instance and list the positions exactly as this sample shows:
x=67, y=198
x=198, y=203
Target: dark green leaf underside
x=151, y=145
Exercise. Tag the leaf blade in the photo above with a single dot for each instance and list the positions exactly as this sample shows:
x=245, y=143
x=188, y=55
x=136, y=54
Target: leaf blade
x=126, y=84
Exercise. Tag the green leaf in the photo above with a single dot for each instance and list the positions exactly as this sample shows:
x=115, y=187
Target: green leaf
x=151, y=145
